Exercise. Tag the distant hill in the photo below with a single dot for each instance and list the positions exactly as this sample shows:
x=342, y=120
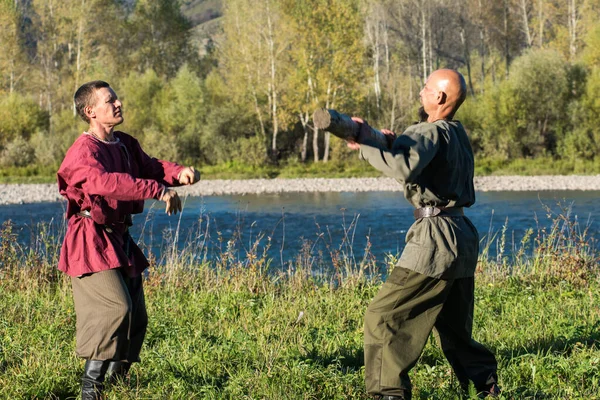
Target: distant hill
x=205, y=16
x=201, y=11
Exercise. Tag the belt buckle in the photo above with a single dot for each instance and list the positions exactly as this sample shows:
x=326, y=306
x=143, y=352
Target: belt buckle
x=427, y=211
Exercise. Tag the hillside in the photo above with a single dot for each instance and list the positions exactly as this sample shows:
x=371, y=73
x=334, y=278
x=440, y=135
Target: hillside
x=201, y=11
x=205, y=16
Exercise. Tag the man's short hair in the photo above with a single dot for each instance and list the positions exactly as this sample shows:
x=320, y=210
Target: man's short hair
x=86, y=96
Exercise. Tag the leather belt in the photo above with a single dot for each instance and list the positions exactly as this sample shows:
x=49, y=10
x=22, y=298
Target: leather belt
x=432, y=211
x=126, y=219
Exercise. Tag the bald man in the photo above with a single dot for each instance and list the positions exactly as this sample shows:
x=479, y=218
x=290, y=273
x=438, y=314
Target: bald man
x=432, y=285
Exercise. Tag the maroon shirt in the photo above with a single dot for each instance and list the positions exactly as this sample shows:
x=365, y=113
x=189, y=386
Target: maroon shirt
x=111, y=181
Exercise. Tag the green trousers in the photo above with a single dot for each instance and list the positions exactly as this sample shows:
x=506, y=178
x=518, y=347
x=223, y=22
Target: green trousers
x=111, y=316
x=399, y=321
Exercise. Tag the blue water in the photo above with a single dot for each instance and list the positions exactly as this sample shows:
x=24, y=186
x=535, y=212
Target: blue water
x=320, y=223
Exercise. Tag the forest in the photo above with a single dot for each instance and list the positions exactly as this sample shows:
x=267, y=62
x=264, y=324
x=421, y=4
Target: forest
x=236, y=82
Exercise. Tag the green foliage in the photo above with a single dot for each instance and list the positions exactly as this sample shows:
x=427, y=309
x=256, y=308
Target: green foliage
x=160, y=36
x=250, y=151
x=591, y=53
x=20, y=117
x=17, y=153
x=140, y=94
x=182, y=113
x=12, y=49
x=266, y=65
x=525, y=115
x=544, y=165
x=47, y=151
x=157, y=144
x=583, y=141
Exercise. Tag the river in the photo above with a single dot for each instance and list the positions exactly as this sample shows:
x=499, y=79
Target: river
x=288, y=225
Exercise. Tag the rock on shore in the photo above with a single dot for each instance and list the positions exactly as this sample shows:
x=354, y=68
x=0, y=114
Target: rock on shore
x=35, y=193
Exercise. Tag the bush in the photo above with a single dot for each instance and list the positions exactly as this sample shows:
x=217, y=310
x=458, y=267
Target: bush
x=65, y=128
x=20, y=117
x=251, y=151
x=47, y=151
x=525, y=115
x=156, y=144
x=17, y=153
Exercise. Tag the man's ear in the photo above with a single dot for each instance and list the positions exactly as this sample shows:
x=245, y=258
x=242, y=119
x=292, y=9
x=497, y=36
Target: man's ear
x=89, y=111
x=442, y=97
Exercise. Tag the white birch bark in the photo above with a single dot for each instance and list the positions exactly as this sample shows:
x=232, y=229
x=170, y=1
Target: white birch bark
x=524, y=9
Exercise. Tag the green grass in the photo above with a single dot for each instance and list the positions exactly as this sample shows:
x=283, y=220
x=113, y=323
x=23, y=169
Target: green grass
x=335, y=169
x=234, y=328
x=536, y=166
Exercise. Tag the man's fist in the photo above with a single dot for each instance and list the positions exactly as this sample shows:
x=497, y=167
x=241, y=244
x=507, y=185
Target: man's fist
x=173, y=201
x=188, y=176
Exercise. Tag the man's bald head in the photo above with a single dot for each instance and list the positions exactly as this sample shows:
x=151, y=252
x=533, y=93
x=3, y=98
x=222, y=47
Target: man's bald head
x=444, y=92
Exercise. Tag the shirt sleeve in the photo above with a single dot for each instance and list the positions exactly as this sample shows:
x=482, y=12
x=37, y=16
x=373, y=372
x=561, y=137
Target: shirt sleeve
x=410, y=153
x=165, y=172
x=93, y=178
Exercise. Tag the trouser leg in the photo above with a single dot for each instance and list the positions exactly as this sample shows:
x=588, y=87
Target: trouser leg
x=139, y=318
x=118, y=370
x=397, y=324
x=103, y=309
x=469, y=359
x=111, y=316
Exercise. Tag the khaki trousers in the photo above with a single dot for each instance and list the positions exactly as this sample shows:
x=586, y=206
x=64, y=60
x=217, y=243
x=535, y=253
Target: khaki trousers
x=111, y=316
x=399, y=320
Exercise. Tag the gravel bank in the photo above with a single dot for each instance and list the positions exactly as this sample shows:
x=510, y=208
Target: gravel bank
x=34, y=193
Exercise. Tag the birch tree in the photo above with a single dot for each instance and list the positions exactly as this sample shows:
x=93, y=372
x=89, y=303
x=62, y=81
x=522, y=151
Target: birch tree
x=329, y=55
x=525, y=12
x=12, y=56
x=573, y=24
x=256, y=60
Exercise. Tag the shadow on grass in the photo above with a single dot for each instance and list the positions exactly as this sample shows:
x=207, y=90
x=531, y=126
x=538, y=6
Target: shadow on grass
x=346, y=358
x=583, y=335
x=194, y=380
x=61, y=394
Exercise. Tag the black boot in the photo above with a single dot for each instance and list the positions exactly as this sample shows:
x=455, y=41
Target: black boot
x=92, y=380
x=117, y=370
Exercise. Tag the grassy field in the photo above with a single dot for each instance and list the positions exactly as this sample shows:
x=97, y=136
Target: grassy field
x=233, y=328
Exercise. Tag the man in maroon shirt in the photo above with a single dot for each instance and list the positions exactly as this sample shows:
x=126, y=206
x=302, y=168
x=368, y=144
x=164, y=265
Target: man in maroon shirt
x=105, y=177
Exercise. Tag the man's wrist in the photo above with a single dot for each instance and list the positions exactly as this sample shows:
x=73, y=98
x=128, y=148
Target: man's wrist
x=161, y=192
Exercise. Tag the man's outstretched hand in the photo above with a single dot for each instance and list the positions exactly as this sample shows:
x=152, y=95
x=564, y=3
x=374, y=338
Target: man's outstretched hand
x=173, y=201
x=189, y=176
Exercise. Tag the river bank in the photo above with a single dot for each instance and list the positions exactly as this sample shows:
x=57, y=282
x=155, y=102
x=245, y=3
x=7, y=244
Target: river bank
x=36, y=193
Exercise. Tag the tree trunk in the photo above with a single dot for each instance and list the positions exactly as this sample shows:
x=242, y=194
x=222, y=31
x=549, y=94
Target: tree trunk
x=372, y=28
x=246, y=62
x=79, y=45
x=482, y=39
x=542, y=22
x=465, y=42
x=315, y=144
x=273, y=84
x=572, y=29
x=326, y=147
x=423, y=40
x=304, y=148
x=506, y=39
x=525, y=15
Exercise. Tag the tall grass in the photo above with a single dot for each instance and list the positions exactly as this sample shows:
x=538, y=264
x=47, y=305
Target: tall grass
x=229, y=325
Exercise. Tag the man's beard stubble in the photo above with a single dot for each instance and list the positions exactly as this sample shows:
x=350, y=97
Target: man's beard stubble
x=422, y=114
